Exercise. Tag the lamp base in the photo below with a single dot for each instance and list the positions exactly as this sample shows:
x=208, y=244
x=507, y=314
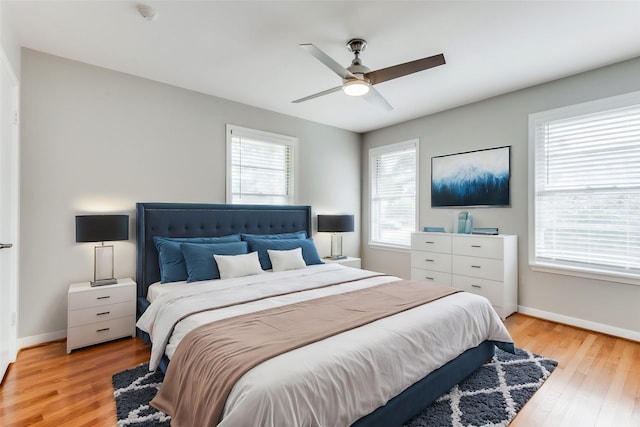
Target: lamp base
x=104, y=282
x=336, y=257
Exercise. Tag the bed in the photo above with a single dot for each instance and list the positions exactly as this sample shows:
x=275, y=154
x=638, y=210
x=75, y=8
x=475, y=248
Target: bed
x=199, y=220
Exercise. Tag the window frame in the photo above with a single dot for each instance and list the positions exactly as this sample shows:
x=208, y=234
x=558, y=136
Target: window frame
x=267, y=137
x=590, y=271
x=373, y=153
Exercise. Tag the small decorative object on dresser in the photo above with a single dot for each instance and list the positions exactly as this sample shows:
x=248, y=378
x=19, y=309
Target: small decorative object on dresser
x=480, y=264
x=487, y=231
x=99, y=314
x=434, y=229
x=348, y=261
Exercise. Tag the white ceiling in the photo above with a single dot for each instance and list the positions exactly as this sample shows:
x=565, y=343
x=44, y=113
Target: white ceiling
x=247, y=51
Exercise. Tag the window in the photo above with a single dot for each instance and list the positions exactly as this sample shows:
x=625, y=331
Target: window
x=260, y=167
x=394, y=189
x=585, y=189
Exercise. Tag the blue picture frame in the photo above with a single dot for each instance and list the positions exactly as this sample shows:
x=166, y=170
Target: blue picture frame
x=479, y=178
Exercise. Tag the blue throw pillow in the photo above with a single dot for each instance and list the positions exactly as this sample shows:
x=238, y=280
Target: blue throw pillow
x=294, y=235
x=309, y=250
x=199, y=258
x=170, y=258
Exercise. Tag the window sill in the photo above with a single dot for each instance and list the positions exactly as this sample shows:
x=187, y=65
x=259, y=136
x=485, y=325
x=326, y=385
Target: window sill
x=630, y=279
x=395, y=248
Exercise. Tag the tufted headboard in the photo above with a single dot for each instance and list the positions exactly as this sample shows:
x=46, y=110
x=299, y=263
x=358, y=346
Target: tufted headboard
x=206, y=220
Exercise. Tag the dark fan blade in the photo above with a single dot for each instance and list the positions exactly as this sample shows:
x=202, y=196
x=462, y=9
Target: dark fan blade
x=384, y=74
x=315, y=95
x=374, y=97
x=328, y=61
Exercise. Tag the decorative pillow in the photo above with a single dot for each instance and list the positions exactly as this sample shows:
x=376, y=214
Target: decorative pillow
x=171, y=260
x=199, y=258
x=231, y=266
x=286, y=260
x=309, y=251
x=294, y=235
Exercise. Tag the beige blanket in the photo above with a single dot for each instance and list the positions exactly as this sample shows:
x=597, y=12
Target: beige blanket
x=211, y=358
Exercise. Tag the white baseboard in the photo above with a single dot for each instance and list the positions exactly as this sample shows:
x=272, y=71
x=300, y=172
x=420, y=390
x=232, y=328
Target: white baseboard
x=581, y=323
x=40, y=339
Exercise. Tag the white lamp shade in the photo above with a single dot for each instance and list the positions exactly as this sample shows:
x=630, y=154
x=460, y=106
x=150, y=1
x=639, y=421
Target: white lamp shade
x=355, y=87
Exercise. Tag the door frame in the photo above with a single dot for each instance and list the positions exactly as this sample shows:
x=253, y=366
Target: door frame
x=14, y=210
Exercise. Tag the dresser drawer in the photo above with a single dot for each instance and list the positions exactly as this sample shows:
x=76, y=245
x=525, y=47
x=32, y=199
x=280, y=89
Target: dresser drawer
x=431, y=261
x=94, y=333
x=103, y=295
x=485, y=247
x=489, y=289
x=431, y=242
x=432, y=276
x=484, y=268
x=101, y=313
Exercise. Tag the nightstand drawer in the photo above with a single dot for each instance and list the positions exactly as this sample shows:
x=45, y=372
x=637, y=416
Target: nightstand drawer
x=431, y=242
x=484, y=268
x=432, y=276
x=431, y=261
x=485, y=247
x=94, y=333
x=487, y=288
x=103, y=295
x=101, y=313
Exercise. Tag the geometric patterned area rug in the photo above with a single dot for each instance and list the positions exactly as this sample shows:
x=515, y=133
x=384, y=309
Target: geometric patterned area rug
x=133, y=390
x=491, y=396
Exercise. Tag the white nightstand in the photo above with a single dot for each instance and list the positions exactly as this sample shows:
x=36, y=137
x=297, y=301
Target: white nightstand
x=101, y=313
x=348, y=261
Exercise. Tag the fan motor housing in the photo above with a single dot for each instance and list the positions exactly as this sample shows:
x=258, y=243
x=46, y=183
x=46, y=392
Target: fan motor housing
x=358, y=69
x=356, y=45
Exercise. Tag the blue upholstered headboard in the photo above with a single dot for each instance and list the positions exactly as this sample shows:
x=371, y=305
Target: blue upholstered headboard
x=200, y=220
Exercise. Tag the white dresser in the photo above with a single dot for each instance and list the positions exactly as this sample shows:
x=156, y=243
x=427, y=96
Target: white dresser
x=101, y=313
x=483, y=265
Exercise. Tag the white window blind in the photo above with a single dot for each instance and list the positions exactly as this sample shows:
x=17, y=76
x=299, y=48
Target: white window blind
x=586, y=187
x=260, y=167
x=393, y=172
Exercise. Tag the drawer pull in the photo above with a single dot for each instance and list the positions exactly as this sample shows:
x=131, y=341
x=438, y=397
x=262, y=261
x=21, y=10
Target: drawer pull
x=108, y=296
x=476, y=266
x=476, y=286
x=103, y=313
x=102, y=330
x=428, y=278
x=428, y=260
x=476, y=246
x=431, y=243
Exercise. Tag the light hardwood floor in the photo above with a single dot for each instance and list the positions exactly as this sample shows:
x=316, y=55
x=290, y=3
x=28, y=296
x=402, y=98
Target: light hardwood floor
x=597, y=381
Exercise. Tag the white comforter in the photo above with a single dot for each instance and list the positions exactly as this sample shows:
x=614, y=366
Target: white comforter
x=335, y=381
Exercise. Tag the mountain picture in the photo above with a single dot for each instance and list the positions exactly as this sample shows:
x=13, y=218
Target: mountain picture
x=474, y=178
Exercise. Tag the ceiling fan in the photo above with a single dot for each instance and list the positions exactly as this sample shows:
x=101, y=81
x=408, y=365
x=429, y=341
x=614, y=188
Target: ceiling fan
x=358, y=80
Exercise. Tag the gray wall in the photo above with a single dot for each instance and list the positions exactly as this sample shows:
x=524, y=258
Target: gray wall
x=95, y=140
x=499, y=121
x=8, y=40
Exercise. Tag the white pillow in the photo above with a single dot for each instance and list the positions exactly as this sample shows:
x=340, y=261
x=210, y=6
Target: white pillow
x=231, y=266
x=286, y=260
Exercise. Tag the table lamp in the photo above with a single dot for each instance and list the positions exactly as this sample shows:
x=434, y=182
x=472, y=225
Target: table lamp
x=102, y=228
x=335, y=224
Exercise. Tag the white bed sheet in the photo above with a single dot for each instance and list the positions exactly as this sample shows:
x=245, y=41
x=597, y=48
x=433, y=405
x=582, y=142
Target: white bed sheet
x=157, y=289
x=340, y=379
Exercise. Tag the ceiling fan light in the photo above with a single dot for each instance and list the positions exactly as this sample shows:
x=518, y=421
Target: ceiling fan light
x=355, y=87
